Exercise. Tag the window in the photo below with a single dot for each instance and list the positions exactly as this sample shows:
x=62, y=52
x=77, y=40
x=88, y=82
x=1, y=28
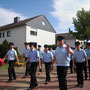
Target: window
x=8, y=33
x=3, y=35
x=0, y=35
x=33, y=33
x=43, y=23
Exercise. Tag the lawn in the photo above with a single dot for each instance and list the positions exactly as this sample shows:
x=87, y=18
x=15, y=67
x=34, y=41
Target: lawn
x=5, y=66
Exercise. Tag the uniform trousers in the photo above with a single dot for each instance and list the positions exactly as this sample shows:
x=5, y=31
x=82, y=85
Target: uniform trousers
x=62, y=74
x=27, y=71
x=40, y=70
x=71, y=67
x=89, y=65
x=85, y=70
x=47, y=68
x=79, y=69
x=33, y=68
x=11, y=70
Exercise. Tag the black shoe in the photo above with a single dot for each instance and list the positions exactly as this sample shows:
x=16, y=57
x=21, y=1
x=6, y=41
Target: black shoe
x=46, y=82
x=25, y=76
x=77, y=85
x=49, y=80
x=35, y=85
x=14, y=78
x=71, y=72
x=10, y=80
x=29, y=88
x=85, y=78
x=40, y=70
x=81, y=86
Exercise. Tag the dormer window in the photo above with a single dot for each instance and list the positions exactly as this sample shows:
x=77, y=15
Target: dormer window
x=43, y=23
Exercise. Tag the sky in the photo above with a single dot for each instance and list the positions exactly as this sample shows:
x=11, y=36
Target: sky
x=58, y=12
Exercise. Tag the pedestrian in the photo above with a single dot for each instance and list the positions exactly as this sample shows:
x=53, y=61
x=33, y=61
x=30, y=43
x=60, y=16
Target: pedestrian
x=87, y=50
x=85, y=68
x=25, y=55
x=41, y=56
x=11, y=55
x=62, y=58
x=79, y=58
x=47, y=59
x=72, y=70
x=33, y=58
x=71, y=65
x=53, y=52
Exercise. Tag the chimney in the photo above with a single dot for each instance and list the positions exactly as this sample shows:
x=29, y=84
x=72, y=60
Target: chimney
x=16, y=19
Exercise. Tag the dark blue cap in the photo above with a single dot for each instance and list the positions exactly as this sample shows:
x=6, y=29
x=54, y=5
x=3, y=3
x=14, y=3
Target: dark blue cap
x=11, y=43
x=31, y=43
x=26, y=43
x=77, y=43
x=60, y=38
x=45, y=46
x=39, y=45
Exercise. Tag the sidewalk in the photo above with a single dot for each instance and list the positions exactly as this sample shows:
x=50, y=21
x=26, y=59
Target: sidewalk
x=23, y=83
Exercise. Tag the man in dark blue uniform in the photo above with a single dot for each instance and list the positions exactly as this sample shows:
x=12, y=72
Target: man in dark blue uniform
x=25, y=55
x=87, y=50
x=41, y=56
x=11, y=55
x=47, y=59
x=79, y=57
x=33, y=58
x=62, y=58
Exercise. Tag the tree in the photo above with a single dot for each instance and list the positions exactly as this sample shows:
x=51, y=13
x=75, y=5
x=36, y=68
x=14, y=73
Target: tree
x=4, y=47
x=82, y=25
x=53, y=46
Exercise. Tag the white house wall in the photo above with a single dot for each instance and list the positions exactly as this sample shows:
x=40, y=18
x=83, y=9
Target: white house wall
x=18, y=35
x=71, y=42
x=30, y=38
x=43, y=37
x=37, y=23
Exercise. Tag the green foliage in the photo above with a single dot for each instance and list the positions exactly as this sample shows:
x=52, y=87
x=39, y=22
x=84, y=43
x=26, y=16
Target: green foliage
x=82, y=25
x=53, y=46
x=5, y=66
x=23, y=60
x=4, y=47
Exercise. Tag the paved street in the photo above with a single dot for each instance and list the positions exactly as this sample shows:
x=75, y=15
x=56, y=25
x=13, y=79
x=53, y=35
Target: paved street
x=23, y=83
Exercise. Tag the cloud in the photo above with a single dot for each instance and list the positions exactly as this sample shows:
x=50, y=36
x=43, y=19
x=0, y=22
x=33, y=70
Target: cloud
x=65, y=10
x=7, y=15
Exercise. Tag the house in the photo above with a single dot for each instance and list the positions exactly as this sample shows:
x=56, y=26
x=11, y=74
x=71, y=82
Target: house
x=36, y=29
x=68, y=39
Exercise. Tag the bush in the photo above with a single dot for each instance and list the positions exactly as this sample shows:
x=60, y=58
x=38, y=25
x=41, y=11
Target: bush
x=53, y=46
x=23, y=60
x=4, y=47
